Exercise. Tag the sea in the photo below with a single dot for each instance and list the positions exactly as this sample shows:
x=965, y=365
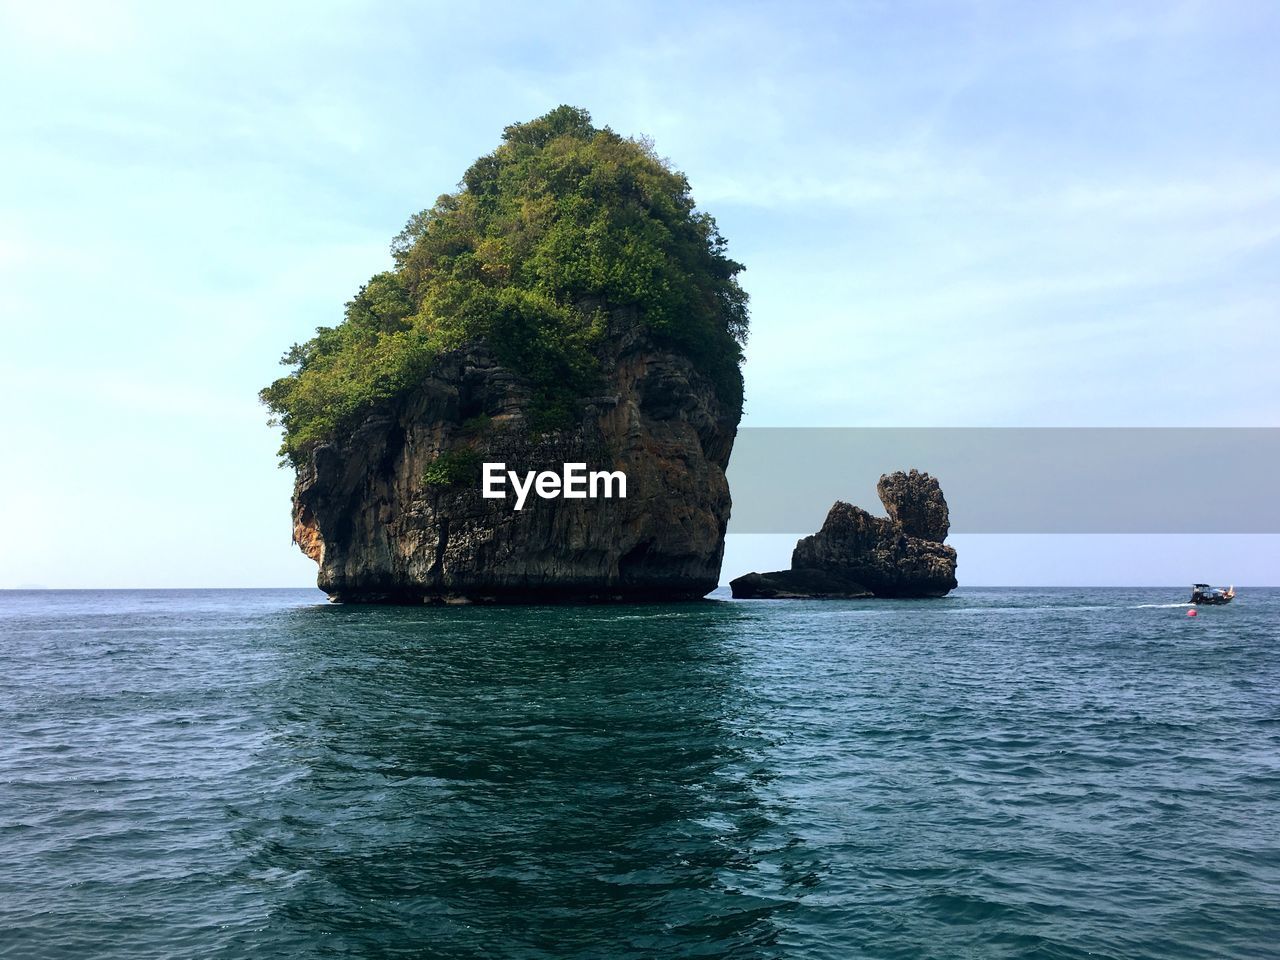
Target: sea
x=1036, y=773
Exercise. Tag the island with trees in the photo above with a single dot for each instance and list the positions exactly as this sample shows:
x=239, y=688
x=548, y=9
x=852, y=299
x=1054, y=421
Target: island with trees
x=567, y=304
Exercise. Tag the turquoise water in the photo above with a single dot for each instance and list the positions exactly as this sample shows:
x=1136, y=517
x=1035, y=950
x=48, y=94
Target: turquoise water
x=1004, y=773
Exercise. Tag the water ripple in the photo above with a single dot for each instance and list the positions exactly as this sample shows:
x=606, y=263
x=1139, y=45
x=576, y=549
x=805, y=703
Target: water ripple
x=1048, y=774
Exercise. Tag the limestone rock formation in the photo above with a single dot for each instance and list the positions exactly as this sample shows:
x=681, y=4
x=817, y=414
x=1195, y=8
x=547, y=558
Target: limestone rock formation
x=858, y=555
x=395, y=513
x=915, y=501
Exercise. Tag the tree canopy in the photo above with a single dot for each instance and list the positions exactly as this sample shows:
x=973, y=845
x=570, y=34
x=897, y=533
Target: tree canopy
x=560, y=225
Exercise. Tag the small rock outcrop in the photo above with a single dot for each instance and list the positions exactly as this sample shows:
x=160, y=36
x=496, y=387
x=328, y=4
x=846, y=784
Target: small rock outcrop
x=857, y=555
x=395, y=513
x=915, y=501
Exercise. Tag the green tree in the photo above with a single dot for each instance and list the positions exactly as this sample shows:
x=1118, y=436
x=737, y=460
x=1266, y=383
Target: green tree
x=561, y=225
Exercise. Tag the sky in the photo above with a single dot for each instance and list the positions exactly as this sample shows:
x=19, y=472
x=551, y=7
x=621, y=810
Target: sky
x=952, y=214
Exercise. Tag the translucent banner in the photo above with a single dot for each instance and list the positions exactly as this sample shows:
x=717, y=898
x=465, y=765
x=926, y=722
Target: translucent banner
x=1017, y=480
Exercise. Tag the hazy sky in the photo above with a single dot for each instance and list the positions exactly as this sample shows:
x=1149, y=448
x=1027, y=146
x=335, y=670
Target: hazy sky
x=968, y=214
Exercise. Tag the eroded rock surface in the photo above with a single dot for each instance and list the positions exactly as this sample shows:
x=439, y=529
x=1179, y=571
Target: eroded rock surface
x=384, y=526
x=915, y=501
x=858, y=555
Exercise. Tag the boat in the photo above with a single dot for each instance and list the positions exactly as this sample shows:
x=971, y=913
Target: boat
x=1202, y=593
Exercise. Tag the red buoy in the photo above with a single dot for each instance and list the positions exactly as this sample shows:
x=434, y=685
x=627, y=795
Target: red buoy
x=1191, y=613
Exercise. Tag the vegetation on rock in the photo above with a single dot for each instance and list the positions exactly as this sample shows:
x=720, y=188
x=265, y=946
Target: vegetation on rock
x=546, y=239
x=454, y=466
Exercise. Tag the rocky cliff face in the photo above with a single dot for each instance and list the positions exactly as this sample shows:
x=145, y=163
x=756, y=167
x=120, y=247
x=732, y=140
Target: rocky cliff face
x=858, y=555
x=395, y=513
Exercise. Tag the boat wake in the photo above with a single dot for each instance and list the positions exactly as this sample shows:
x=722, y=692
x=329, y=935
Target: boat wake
x=1161, y=606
